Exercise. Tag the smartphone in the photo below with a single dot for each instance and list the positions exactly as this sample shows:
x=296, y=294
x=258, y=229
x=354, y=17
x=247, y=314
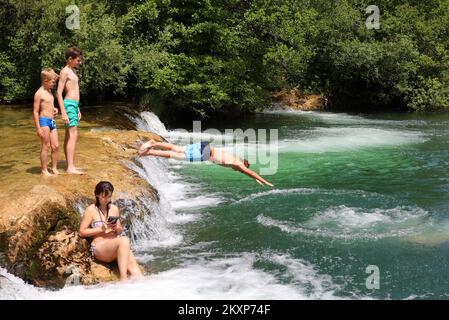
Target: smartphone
x=113, y=219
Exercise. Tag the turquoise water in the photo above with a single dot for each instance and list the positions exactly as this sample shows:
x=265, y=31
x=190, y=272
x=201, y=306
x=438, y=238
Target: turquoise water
x=350, y=191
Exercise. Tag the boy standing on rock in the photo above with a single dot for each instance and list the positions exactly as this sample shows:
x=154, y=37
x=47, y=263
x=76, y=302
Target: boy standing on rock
x=70, y=112
x=44, y=112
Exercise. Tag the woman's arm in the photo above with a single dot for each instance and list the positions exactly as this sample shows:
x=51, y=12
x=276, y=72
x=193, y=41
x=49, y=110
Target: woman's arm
x=85, y=230
x=117, y=227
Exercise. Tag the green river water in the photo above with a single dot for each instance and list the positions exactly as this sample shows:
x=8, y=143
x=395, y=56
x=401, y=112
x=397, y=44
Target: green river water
x=350, y=192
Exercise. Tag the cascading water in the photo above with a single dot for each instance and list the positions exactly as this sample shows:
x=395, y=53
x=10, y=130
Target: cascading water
x=350, y=191
x=148, y=121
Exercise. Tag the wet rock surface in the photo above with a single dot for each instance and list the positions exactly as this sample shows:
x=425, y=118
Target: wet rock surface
x=39, y=217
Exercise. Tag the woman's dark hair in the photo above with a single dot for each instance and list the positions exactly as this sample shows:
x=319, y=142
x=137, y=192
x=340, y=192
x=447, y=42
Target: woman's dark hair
x=246, y=163
x=104, y=187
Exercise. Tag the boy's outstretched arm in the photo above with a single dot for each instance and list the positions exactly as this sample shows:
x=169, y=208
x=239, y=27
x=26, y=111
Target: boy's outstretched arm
x=60, y=90
x=253, y=175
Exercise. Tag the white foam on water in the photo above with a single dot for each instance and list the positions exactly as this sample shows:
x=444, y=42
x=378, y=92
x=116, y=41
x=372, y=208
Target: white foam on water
x=158, y=227
x=185, y=137
x=153, y=230
x=150, y=122
x=344, y=222
x=204, y=278
x=276, y=192
x=144, y=258
x=14, y=288
x=176, y=193
x=359, y=218
x=344, y=118
x=178, y=204
x=323, y=140
x=202, y=201
x=306, y=191
x=305, y=275
x=285, y=226
x=178, y=200
x=349, y=139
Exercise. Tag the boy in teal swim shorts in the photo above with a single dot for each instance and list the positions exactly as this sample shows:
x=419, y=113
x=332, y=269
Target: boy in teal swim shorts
x=44, y=112
x=70, y=112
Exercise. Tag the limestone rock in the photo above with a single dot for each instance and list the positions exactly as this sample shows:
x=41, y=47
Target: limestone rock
x=38, y=216
x=65, y=253
x=297, y=100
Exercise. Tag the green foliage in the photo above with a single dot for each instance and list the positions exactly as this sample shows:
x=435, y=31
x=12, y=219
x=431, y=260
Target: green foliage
x=430, y=94
x=228, y=55
x=10, y=88
x=105, y=60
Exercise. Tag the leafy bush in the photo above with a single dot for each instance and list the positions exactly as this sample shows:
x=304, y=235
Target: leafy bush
x=228, y=55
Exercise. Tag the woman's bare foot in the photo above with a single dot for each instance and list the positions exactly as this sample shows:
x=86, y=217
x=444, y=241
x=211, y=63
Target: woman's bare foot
x=136, y=277
x=55, y=171
x=74, y=171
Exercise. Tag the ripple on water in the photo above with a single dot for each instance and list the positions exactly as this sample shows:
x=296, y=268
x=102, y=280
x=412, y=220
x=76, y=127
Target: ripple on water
x=339, y=214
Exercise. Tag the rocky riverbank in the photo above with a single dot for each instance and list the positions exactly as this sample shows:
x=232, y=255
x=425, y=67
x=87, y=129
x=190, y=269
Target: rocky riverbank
x=297, y=100
x=39, y=217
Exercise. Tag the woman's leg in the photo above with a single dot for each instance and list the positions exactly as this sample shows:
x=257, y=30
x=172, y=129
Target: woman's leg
x=112, y=249
x=123, y=257
x=133, y=266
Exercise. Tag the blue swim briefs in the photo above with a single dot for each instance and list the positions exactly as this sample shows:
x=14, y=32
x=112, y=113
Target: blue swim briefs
x=47, y=122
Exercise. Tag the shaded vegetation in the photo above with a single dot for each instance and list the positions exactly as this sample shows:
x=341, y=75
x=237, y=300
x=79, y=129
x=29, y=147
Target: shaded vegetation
x=207, y=56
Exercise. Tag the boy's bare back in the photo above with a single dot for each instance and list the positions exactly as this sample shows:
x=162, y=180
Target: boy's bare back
x=225, y=159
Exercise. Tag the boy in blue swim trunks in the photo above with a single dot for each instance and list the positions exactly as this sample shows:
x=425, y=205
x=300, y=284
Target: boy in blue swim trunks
x=70, y=112
x=202, y=151
x=44, y=112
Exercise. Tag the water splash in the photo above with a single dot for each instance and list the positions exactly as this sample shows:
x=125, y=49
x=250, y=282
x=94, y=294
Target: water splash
x=347, y=223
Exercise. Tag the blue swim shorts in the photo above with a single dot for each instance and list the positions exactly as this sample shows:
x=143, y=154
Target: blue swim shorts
x=198, y=151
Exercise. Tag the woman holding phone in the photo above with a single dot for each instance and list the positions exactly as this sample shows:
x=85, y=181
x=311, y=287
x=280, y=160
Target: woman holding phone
x=101, y=221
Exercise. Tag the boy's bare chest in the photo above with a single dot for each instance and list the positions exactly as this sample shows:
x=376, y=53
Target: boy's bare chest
x=47, y=97
x=72, y=77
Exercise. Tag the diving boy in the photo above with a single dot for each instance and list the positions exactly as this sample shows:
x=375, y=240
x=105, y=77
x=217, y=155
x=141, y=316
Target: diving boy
x=44, y=112
x=202, y=151
x=70, y=112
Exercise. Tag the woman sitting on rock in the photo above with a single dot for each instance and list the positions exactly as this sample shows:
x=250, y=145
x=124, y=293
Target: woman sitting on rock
x=101, y=221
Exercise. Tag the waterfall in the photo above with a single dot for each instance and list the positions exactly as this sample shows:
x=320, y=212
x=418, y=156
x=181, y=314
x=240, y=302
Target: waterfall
x=148, y=121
